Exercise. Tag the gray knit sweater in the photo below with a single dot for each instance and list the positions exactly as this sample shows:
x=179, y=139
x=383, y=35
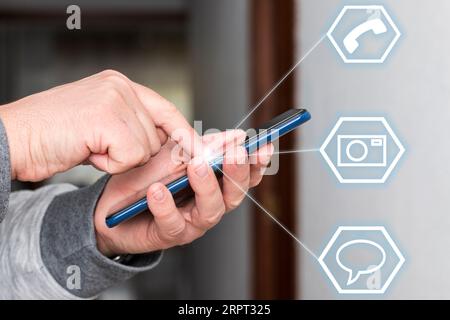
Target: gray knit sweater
x=47, y=241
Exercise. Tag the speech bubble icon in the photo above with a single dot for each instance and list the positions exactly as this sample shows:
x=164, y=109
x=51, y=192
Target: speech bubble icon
x=353, y=275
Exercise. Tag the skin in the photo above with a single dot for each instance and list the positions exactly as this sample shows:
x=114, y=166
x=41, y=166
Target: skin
x=168, y=225
x=107, y=120
x=129, y=131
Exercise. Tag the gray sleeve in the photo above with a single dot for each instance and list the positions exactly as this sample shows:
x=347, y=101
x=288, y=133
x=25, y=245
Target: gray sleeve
x=48, y=248
x=68, y=244
x=5, y=173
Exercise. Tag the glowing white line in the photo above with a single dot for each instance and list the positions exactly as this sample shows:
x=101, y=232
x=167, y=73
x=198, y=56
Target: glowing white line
x=271, y=216
x=296, y=151
x=280, y=81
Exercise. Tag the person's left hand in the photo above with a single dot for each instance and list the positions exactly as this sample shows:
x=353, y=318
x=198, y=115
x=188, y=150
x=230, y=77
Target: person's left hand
x=169, y=226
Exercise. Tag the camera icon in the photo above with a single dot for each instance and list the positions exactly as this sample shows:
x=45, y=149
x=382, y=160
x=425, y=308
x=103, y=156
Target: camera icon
x=361, y=151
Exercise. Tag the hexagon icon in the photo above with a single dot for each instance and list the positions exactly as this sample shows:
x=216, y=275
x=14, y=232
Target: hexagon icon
x=367, y=271
x=363, y=34
x=362, y=150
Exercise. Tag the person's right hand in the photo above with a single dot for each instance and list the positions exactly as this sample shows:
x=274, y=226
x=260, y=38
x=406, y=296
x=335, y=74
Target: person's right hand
x=106, y=120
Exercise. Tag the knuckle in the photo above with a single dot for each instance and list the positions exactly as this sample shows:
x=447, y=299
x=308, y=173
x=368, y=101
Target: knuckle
x=111, y=97
x=124, y=161
x=171, y=109
x=222, y=209
x=145, y=158
x=118, y=167
x=155, y=147
x=116, y=79
x=115, y=170
x=112, y=74
x=141, y=154
x=212, y=220
x=154, y=238
x=234, y=203
x=175, y=232
x=155, y=150
x=158, y=143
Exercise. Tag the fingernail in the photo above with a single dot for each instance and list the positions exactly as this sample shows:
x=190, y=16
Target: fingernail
x=201, y=169
x=158, y=195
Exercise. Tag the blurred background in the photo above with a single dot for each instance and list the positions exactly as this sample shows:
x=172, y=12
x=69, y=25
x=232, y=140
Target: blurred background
x=205, y=57
x=217, y=59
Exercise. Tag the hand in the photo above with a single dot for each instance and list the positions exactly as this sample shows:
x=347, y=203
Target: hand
x=106, y=120
x=168, y=225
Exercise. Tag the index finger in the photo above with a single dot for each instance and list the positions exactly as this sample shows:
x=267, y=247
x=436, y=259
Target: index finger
x=167, y=117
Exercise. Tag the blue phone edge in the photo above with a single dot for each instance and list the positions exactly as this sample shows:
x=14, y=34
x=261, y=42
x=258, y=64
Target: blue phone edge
x=179, y=184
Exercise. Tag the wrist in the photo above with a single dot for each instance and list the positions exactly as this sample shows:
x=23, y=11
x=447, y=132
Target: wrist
x=102, y=246
x=15, y=133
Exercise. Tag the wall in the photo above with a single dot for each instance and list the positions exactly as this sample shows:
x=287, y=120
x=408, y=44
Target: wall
x=411, y=89
x=219, y=264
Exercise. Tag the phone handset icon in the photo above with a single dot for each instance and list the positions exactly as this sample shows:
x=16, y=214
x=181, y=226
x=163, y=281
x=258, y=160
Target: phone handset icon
x=377, y=26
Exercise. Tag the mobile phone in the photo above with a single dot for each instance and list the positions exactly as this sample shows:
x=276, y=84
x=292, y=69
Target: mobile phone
x=180, y=189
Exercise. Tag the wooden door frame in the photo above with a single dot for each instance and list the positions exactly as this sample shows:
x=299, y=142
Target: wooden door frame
x=271, y=56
